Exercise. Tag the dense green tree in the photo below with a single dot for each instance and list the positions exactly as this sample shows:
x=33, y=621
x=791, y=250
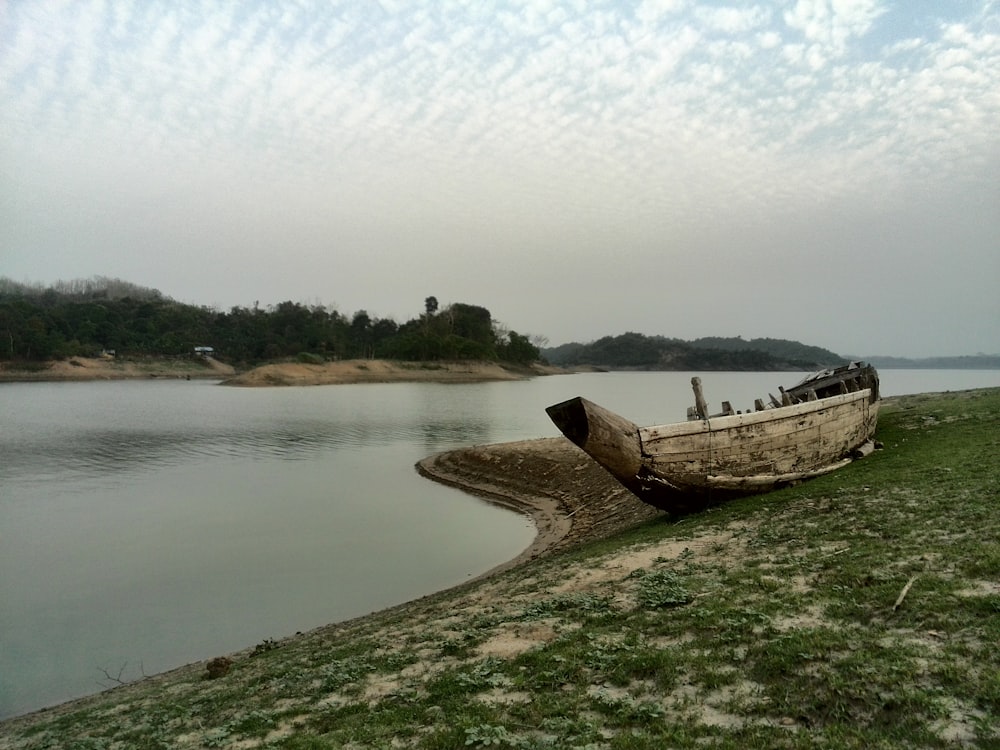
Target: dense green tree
x=471, y=322
x=84, y=318
x=519, y=349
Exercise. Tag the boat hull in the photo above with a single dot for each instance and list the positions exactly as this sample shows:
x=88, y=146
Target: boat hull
x=688, y=466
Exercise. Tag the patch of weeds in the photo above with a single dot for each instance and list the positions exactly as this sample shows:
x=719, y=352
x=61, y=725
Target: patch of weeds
x=870, y=598
x=218, y=737
x=660, y=589
x=457, y=684
x=448, y=737
x=626, y=711
x=972, y=676
x=489, y=735
x=486, y=674
x=686, y=555
x=984, y=564
x=575, y=603
x=392, y=662
x=381, y=725
x=989, y=695
x=728, y=623
x=622, y=661
x=558, y=664
x=342, y=672
x=576, y=734
x=545, y=706
x=826, y=677
x=154, y=734
x=254, y=724
x=332, y=718
x=461, y=646
x=603, y=651
x=63, y=725
x=306, y=742
x=783, y=654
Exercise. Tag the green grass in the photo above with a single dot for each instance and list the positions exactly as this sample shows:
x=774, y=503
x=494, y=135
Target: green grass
x=768, y=622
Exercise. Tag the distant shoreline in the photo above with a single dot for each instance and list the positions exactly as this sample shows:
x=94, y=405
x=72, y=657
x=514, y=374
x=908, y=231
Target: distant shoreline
x=78, y=369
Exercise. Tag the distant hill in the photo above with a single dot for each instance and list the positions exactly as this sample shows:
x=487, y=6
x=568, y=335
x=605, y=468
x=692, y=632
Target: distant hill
x=636, y=351
x=779, y=348
x=969, y=362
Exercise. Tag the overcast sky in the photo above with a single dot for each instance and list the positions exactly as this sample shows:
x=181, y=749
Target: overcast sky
x=819, y=170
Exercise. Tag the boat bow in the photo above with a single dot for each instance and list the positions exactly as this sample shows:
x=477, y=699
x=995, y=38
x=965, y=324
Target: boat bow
x=608, y=438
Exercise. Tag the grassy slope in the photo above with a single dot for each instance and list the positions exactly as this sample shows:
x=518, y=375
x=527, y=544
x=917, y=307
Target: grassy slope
x=768, y=622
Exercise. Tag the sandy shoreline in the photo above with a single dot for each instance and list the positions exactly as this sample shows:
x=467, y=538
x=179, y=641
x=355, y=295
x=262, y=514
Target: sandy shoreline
x=383, y=371
x=269, y=375
x=82, y=369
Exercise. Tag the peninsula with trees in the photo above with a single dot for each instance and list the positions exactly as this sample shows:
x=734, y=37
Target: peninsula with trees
x=110, y=318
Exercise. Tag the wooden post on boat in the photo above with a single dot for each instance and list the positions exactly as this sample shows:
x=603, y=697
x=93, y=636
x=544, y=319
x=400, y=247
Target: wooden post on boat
x=699, y=398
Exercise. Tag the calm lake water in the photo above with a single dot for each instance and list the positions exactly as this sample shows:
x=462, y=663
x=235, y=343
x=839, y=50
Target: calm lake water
x=144, y=525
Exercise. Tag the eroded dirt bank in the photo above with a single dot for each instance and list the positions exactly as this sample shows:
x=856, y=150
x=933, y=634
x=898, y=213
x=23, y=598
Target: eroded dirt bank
x=569, y=496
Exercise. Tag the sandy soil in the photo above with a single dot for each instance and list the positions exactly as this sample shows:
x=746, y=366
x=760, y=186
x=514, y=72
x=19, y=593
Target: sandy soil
x=110, y=368
x=383, y=371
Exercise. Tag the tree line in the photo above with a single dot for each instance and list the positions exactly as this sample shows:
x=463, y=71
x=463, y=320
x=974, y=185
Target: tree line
x=86, y=318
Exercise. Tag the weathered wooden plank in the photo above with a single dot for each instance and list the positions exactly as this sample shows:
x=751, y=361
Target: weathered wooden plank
x=699, y=398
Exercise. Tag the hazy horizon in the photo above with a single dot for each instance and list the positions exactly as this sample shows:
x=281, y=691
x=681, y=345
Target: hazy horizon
x=816, y=170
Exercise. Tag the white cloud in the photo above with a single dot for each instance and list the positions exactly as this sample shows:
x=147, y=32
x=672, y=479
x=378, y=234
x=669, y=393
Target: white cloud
x=833, y=23
x=733, y=20
x=652, y=12
x=769, y=39
x=554, y=123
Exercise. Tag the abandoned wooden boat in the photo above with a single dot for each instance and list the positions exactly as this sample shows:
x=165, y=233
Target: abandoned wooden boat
x=817, y=426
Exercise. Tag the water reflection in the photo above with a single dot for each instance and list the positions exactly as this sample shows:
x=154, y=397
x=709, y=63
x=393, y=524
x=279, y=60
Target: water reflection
x=114, y=449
